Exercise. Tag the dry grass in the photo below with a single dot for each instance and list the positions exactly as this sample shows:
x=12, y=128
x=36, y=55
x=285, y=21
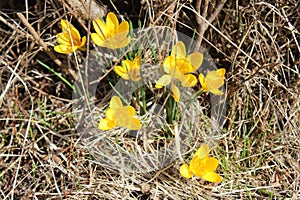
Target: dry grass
x=42, y=154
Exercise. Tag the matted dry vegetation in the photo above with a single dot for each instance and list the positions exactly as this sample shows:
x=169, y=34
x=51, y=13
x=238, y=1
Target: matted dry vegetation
x=41, y=153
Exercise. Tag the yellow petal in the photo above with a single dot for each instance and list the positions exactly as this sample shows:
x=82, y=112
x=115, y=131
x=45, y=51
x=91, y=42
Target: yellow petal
x=169, y=65
x=212, y=177
x=64, y=49
x=221, y=72
x=137, y=61
x=202, y=82
x=185, y=171
x=175, y=92
x=121, y=71
x=110, y=114
x=100, y=28
x=106, y=124
x=63, y=38
x=64, y=25
x=82, y=42
x=195, y=59
x=188, y=80
x=179, y=51
x=211, y=164
x=197, y=166
x=214, y=80
x=124, y=28
x=163, y=81
x=202, y=152
x=75, y=36
x=115, y=43
x=115, y=103
x=122, y=116
x=112, y=22
x=130, y=110
x=124, y=42
x=184, y=66
x=99, y=41
x=134, y=124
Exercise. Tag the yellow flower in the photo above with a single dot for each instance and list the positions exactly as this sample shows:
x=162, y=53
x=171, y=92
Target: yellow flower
x=213, y=81
x=119, y=115
x=69, y=40
x=201, y=165
x=111, y=34
x=130, y=70
x=178, y=66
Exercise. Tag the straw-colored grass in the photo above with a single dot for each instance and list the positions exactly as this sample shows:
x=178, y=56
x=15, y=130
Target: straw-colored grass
x=43, y=150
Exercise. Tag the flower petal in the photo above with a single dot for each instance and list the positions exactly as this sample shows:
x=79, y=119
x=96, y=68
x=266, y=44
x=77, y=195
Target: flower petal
x=179, y=51
x=188, y=80
x=222, y=72
x=175, y=92
x=169, y=65
x=110, y=114
x=114, y=42
x=124, y=28
x=112, y=22
x=195, y=59
x=212, y=177
x=64, y=49
x=134, y=124
x=64, y=25
x=63, y=38
x=115, y=103
x=106, y=124
x=82, y=42
x=202, y=152
x=202, y=82
x=185, y=171
x=101, y=28
x=99, y=41
x=131, y=110
x=163, y=81
x=75, y=35
x=197, y=166
x=211, y=164
x=121, y=71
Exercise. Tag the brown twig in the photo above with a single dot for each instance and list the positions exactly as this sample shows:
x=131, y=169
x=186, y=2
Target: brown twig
x=38, y=39
x=202, y=26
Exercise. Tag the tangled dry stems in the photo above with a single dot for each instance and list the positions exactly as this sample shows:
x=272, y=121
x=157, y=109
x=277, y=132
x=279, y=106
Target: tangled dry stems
x=43, y=157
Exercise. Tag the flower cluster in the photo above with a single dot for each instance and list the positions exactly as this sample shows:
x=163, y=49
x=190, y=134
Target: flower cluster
x=201, y=165
x=180, y=70
x=180, y=67
x=119, y=115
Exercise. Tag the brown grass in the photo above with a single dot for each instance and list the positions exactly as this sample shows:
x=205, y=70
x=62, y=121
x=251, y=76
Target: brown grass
x=42, y=155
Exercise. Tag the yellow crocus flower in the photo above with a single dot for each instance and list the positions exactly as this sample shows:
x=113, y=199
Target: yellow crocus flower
x=119, y=115
x=130, y=70
x=179, y=66
x=69, y=39
x=111, y=34
x=213, y=81
x=201, y=165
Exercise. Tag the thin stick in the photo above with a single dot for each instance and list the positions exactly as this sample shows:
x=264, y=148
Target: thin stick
x=38, y=39
x=202, y=26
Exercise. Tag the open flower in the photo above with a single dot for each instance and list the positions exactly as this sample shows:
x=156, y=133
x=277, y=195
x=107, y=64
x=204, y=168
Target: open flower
x=180, y=67
x=213, y=81
x=119, y=115
x=130, y=70
x=201, y=165
x=69, y=40
x=111, y=34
